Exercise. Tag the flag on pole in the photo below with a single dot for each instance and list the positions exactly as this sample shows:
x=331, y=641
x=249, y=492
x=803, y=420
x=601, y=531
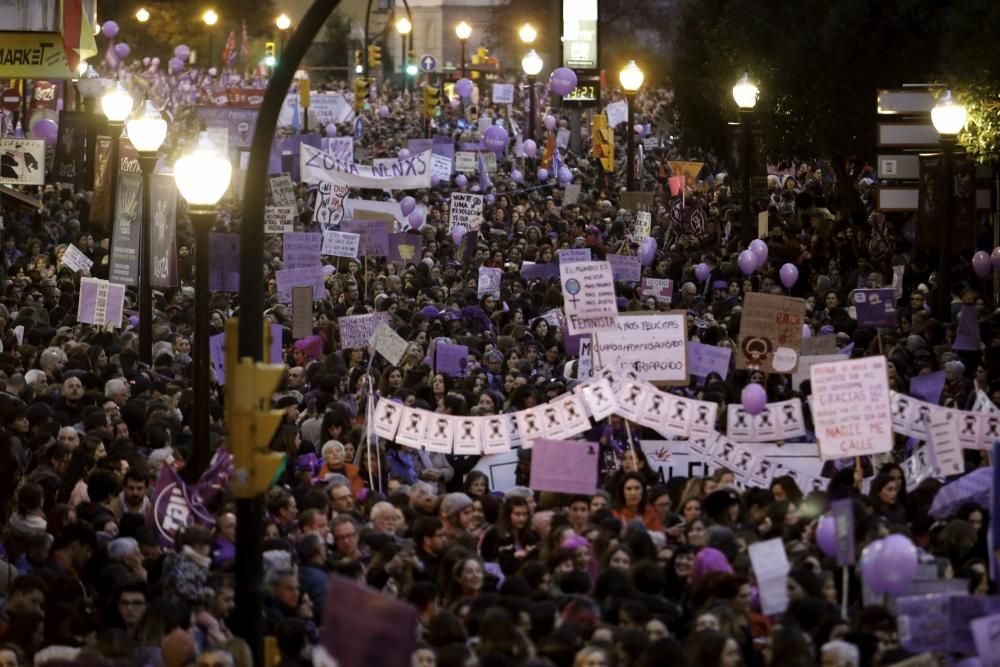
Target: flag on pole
x=557, y=162
x=229, y=53
x=77, y=35
x=296, y=120
x=484, y=176
x=245, y=45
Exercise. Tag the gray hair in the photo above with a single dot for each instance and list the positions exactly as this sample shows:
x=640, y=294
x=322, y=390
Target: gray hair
x=114, y=386
x=331, y=445
x=380, y=508
x=34, y=375
x=121, y=547
x=847, y=653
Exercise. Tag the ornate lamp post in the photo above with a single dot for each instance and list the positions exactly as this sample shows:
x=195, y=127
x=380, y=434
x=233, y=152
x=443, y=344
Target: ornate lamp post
x=532, y=65
x=745, y=94
x=463, y=31
x=631, y=78
x=949, y=118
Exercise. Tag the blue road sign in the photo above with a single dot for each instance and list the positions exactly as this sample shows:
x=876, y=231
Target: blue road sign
x=428, y=63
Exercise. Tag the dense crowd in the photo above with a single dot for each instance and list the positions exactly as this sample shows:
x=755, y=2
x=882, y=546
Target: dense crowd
x=644, y=571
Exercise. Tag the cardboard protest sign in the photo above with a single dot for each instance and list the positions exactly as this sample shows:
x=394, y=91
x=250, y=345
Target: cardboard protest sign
x=770, y=332
x=466, y=211
x=412, y=173
x=340, y=244
x=101, y=302
x=588, y=297
x=653, y=346
x=875, y=307
x=75, y=260
x=489, y=281
x=279, y=219
x=356, y=330
x=661, y=289
x=704, y=359
x=22, y=161
x=302, y=313
x=564, y=466
x=571, y=194
x=224, y=267
x=850, y=407
x=625, y=268
x=286, y=279
x=382, y=629
x=451, y=359
x=282, y=190
x=300, y=250
x=374, y=237
x=329, y=210
x=388, y=343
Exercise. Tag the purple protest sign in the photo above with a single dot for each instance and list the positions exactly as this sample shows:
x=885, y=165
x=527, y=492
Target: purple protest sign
x=451, y=359
x=174, y=507
x=217, y=353
x=405, y=248
x=875, y=307
x=564, y=466
x=705, y=359
x=843, y=521
x=291, y=146
x=382, y=629
x=662, y=289
x=968, y=337
x=286, y=279
x=625, y=268
x=301, y=250
x=224, y=265
x=539, y=271
x=374, y=236
x=927, y=387
x=419, y=145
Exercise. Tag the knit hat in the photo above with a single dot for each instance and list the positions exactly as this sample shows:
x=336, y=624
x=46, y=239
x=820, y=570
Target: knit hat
x=454, y=503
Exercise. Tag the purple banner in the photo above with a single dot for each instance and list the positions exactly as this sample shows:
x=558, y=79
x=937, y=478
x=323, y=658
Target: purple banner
x=539, y=271
x=301, y=250
x=224, y=268
x=875, y=307
x=374, y=236
x=382, y=630
x=625, y=268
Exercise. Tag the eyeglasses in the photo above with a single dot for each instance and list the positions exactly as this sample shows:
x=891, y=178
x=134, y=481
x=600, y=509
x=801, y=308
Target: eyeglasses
x=348, y=536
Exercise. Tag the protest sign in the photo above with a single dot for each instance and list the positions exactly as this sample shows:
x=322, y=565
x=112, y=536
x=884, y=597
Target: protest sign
x=637, y=201
x=383, y=630
x=302, y=313
x=300, y=250
x=704, y=359
x=564, y=466
x=661, y=289
x=489, y=281
x=986, y=635
x=942, y=622
x=503, y=93
x=410, y=173
x=533, y=271
x=340, y=244
x=875, y=307
x=341, y=147
x=466, y=162
x=617, y=112
x=946, y=448
x=373, y=236
x=286, y=279
x=329, y=209
x=388, y=343
x=805, y=363
x=329, y=108
x=571, y=194
x=771, y=568
x=405, y=248
x=466, y=211
x=356, y=330
x=75, y=260
x=850, y=407
x=770, y=332
x=441, y=167
x=282, y=190
x=279, y=219
x=643, y=226
x=651, y=345
x=101, y=302
x=625, y=268
x=224, y=267
x=23, y=161
x=568, y=255
x=451, y=359
x=588, y=297
x=816, y=345
x=782, y=420
x=842, y=512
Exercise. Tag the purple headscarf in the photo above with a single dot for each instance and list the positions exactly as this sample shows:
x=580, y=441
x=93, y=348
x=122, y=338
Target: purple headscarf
x=706, y=562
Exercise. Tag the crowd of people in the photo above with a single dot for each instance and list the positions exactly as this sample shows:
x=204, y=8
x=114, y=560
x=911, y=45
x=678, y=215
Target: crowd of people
x=644, y=571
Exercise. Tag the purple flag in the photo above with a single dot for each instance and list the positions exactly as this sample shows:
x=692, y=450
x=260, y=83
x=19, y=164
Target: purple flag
x=175, y=507
x=224, y=267
x=382, y=630
x=968, y=337
x=927, y=387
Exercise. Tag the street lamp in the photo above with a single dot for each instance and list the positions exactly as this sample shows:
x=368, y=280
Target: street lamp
x=403, y=27
x=532, y=65
x=949, y=118
x=527, y=33
x=745, y=94
x=146, y=132
x=142, y=15
x=202, y=178
x=210, y=18
x=463, y=31
x=631, y=78
x=116, y=105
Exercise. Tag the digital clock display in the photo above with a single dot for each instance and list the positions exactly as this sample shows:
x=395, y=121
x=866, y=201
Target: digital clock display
x=586, y=94
x=583, y=93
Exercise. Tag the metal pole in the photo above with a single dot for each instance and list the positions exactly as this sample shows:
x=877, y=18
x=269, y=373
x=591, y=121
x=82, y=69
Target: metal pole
x=630, y=147
x=996, y=229
x=402, y=60
x=115, y=129
x=462, y=62
x=746, y=215
x=209, y=59
x=248, y=616
x=945, y=224
x=368, y=16
x=147, y=162
x=202, y=220
x=531, y=107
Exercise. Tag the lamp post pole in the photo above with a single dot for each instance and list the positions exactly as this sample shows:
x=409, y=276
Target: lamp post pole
x=462, y=61
x=630, y=146
x=147, y=162
x=202, y=220
x=115, y=130
x=746, y=149
x=531, y=106
x=945, y=224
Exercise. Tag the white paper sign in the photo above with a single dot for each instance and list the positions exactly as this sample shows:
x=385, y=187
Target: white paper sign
x=279, y=219
x=588, y=297
x=944, y=442
x=75, y=260
x=654, y=346
x=617, y=113
x=466, y=162
x=489, y=281
x=850, y=407
x=770, y=565
x=466, y=211
x=643, y=226
x=387, y=417
x=389, y=344
x=341, y=244
x=282, y=190
x=570, y=255
x=777, y=421
x=23, y=161
x=503, y=93
x=441, y=167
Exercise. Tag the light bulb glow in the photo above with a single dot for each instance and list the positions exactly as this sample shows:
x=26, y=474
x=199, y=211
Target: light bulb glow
x=527, y=33
x=463, y=30
x=203, y=175
x=210, y=17
x=949, y=116
x=403, y=26
x=148, y=130
x=283, y=22
x=631, y=77
x=531, y=63
x=117, y=103
x=745, y=93
x=142, y=15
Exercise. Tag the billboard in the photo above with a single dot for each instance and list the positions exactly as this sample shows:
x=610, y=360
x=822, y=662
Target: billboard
x=579, y=34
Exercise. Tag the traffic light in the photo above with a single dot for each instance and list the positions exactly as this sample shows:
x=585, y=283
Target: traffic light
x=250, y=421
x=604, y=142
x=360, y=93
x=411, y=63
x=374, y=55
x=269, y=54
x=479, y=58
x=431, y=98
x=359, y=57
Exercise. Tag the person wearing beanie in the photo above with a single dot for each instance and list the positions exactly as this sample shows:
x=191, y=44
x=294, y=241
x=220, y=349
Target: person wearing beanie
x=456, y=513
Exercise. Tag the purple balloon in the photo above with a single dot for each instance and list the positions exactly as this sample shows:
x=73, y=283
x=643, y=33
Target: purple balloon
x=46, y=129
x=529, y=147
x=435, y=180
x=495, y=139
x=404, y=153
x=474, y=188
x=753, y=398
x=789, y=275
x=461, y=181
x=516, y=176
x=122, y=49
x=549, y=121
x=995, y=258
x=868, y=566
x=747, y=262
x=647, y=251
x=543, y=174
x=490, y=199
x=702, y=271
x=457, y=233
x=407, y=204
x=562, y=81
x=213, y=71
x=896, y=564
x=565, y=175
x=826, y=535
x=454, y=102
x=416, y=220
x=110, y=28
x=981, y=264
x=182, y=52
x=176, y=64
x=145, y=61
x=806, y=331
x=331, y=129
x=133, y=320
x=638, y=128
x=329, y=269
x=759, y=248
x=463, y=88
x=383, y=111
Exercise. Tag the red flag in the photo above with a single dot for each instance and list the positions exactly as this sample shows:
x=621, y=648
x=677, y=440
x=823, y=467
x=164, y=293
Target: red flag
x=245, y=45
x=229, y=53
x=676, y=185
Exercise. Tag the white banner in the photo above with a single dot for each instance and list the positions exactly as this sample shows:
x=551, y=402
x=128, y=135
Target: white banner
x=413, y=173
